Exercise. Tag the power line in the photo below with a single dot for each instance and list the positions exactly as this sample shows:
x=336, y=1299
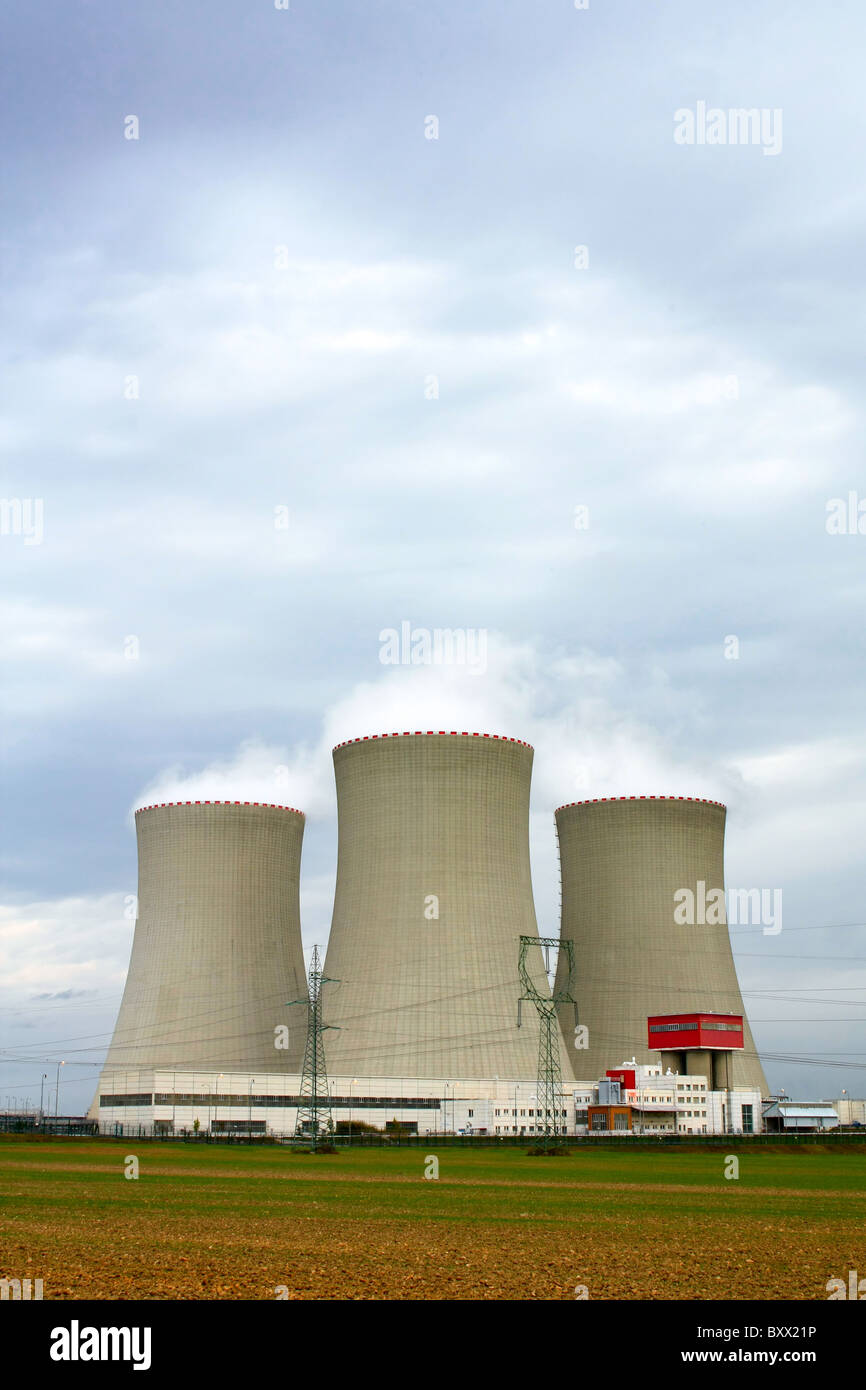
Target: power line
x=826, y=926
x=779, y=955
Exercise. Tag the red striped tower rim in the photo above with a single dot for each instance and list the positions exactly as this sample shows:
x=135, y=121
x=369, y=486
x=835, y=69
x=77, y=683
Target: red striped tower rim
x=424, y=733
x=265, y=805
x=594, y=800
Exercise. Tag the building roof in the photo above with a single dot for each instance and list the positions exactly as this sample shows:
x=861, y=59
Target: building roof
x=802, y=1109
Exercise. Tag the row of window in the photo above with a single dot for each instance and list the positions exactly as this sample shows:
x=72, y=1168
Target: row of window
x=238, y=1127
x=563, y=1113
x=524, y=1129
x=669, y=1099
x=279, y=1102
x=689, y=1027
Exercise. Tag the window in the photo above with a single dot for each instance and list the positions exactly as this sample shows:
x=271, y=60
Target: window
x=748, y=1119
x=471, y=1114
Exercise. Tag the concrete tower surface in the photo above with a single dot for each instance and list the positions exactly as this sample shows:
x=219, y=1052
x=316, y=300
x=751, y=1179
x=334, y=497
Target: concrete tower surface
x=622, y=861
x=433, y=893
x=217, y=948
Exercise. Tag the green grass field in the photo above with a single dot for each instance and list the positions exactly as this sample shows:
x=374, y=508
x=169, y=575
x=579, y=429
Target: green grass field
x=229, y=1222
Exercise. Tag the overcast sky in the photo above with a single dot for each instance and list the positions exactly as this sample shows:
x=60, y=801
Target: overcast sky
x=284, y=371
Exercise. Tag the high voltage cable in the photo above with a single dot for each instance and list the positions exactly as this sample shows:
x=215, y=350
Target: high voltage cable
x=779, y=955
x=179, y=1031
x=826, y=926
x=769, y=955
x=183, y=1026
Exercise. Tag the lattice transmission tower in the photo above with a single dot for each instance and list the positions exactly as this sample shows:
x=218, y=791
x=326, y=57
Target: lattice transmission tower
x=314, y=1120
x=549, y=1054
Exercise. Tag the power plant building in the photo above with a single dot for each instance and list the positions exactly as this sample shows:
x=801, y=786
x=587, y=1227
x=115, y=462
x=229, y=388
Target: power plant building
x=433, y=894
x=625, y=863
x=421, y=981
x=217, y=948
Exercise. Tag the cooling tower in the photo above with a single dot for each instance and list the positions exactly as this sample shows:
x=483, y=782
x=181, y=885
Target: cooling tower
x=433, y=892
x=622, y=861
x=217, y=947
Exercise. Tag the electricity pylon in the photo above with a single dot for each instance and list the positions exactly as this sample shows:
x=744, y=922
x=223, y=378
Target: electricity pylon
x=314, y=1110
x=549, y=1057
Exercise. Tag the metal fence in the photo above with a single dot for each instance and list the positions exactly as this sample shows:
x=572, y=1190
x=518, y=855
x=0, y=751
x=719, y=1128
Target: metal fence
x=31, y=1124
x=91, y=1129
x=604, y=1140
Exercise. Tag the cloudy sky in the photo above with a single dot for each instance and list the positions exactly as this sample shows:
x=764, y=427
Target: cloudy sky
x=321, y=320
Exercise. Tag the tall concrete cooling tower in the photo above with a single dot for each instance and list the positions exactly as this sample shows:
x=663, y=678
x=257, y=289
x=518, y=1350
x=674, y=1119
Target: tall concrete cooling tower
x=217, y=947
x=433, y=892
x=622, y=862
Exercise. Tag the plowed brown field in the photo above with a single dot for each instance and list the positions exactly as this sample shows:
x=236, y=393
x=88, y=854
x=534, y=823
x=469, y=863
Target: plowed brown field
x=211, y=1223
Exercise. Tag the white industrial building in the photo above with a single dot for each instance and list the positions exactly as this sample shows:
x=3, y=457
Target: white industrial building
x=849, y=1110
x=224, y=1103
x=668, y=1102
x=787, y=1116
